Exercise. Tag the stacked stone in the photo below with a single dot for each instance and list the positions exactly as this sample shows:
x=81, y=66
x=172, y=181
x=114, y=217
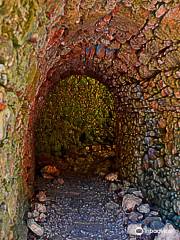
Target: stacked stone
x=130, y=46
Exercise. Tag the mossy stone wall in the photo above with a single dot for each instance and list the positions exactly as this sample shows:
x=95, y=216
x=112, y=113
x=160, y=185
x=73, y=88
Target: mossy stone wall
x=78, y=112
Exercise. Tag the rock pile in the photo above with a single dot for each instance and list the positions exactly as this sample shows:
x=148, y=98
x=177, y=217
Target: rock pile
x=140, y=218
x=37, y=214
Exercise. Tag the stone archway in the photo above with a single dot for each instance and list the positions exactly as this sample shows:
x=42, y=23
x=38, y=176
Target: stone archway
x=133, y=48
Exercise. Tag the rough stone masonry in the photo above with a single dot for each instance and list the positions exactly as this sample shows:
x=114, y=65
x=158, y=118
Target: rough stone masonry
x=131, y=46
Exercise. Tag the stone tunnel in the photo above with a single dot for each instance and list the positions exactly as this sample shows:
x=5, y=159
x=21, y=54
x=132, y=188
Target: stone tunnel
x=131, y=47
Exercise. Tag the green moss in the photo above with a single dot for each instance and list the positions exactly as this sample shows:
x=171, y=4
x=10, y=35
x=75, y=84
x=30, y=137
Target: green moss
x=78, y=112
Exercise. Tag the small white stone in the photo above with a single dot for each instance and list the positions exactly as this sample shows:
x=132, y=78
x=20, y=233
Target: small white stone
x=29, y=215
x=144, y=208
x=178, y=74
x=160, y=61
x=1, y=67
x=153, y=213
x=4, y=78
x=138, y=194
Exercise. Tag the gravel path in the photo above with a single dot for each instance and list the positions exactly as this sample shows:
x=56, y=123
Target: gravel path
x=80, y=209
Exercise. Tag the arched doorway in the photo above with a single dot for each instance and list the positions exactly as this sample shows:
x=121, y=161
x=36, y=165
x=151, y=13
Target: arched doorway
x=78, y=115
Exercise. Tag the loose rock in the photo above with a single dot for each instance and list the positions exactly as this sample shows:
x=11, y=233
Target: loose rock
x=35, y=228
x=112, y=205
x=144, y=208
x=41, y=196
x=153, y=213
x=114, y=187
x=111, y=177
x=138, y=194
x=50, y=172
x=40, y=207
x=148, y=220
x=130, y=201
x=41, y=217
x=156, y=225
x=60, y=181
x=135, y=217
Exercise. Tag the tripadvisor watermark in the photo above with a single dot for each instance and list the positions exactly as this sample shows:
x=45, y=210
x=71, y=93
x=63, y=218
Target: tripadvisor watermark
x=140, y=230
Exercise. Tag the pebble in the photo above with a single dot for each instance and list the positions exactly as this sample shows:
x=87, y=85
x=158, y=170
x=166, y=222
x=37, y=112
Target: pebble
x=35, y=213
x=153, y=213
x=126, y=183
x=138, y=194
x=2, y=67
x=41, y=217
x=144, y=208
x=60, y=181
x=35, y=228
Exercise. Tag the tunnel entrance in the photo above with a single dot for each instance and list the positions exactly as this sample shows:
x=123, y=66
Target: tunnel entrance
x=75, y=130
x=132, y=47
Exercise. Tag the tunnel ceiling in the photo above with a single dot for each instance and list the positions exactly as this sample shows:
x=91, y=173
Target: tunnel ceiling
x=119, y=43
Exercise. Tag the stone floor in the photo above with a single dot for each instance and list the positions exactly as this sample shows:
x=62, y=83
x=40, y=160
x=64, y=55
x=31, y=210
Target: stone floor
x=81, y=208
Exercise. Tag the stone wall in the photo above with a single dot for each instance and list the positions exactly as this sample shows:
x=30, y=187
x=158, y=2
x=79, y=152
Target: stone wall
x=133, y=47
